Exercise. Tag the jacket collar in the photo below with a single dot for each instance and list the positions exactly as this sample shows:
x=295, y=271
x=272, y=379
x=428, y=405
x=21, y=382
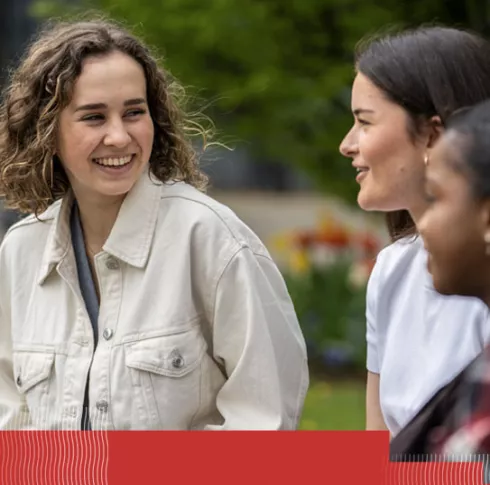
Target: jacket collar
x=130, y=239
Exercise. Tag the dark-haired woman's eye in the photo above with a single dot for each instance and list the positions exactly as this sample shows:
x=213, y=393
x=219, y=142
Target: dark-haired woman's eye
x=362, y=122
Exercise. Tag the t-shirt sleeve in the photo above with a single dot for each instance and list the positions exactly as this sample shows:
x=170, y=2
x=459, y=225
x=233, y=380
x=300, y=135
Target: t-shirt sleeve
x=371, y=319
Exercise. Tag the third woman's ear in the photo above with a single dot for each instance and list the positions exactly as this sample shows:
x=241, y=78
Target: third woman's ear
x=485, y=216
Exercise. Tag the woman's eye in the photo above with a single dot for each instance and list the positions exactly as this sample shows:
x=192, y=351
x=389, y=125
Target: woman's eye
x=94, y=117
x=135, y=112
x=362, y=122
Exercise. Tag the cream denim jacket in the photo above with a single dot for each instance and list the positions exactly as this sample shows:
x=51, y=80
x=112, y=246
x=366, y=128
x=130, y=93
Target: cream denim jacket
x=197, y=329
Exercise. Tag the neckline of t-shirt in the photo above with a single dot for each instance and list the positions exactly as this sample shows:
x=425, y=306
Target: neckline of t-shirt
x=421, y=253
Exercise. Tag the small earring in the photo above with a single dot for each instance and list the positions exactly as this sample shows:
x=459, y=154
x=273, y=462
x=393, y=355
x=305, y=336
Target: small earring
x=486, y=238
x=426, y=159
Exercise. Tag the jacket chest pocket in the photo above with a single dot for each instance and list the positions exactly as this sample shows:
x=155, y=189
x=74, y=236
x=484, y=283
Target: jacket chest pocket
x=166, y=377
x=32, y=375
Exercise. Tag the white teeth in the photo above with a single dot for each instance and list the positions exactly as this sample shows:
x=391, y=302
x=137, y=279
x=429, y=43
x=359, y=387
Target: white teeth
x=113, y=162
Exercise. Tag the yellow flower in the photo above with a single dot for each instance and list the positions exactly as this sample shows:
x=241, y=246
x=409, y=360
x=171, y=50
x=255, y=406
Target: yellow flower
x=299, y=261
x=281, y=243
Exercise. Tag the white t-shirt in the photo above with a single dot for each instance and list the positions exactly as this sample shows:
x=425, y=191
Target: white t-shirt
x=417, y=339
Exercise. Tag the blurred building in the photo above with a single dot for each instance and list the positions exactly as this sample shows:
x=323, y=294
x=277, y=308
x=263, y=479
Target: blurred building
x=16, y=28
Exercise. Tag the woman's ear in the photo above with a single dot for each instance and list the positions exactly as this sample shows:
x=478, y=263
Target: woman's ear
x=436, y=127
x=485, y=217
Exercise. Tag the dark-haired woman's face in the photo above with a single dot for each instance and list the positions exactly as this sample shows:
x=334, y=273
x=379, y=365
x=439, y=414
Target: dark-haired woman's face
x=453, y=226
x=389, y=164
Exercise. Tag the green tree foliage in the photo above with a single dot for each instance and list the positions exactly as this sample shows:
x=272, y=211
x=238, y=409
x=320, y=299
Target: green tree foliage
x=277, y=73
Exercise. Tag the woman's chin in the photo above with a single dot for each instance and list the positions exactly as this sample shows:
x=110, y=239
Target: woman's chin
x=367, y=202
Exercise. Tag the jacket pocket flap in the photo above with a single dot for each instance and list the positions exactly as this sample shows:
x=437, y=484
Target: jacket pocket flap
x=169, y=355
x=31, y=368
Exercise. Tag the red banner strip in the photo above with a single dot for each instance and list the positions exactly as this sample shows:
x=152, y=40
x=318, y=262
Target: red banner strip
x=132, y=457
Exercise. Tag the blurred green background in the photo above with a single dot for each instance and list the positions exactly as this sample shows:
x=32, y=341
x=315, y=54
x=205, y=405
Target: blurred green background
x=275, y=77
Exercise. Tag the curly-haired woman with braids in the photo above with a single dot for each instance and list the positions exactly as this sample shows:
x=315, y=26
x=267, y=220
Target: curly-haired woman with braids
x=128, y=298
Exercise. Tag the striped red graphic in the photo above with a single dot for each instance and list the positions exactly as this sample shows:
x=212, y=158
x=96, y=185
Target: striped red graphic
x=133, y=457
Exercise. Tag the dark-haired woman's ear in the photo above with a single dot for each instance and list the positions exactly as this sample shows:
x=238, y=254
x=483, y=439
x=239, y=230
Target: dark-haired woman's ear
x=436, y=128
x=485, y=221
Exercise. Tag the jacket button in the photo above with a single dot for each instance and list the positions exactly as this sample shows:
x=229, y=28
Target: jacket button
x=19, y=381
x=112, y=263
x=108, y=333
x=177, y=361
x=102, y=406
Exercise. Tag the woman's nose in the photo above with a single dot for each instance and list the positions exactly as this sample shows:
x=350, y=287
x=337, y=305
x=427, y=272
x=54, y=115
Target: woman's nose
x=117, y=135
x=349, y=145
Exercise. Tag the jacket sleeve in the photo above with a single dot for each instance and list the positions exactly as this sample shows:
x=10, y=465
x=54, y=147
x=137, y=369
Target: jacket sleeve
x=14, y=413
x=258, y=341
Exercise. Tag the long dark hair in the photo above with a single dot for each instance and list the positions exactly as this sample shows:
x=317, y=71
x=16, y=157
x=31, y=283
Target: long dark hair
x=429, y=71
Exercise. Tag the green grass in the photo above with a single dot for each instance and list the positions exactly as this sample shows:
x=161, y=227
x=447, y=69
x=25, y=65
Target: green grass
x=334, y=406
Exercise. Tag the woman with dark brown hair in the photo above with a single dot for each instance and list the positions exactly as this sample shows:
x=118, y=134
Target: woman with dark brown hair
x=406, y=86
x=129, y=299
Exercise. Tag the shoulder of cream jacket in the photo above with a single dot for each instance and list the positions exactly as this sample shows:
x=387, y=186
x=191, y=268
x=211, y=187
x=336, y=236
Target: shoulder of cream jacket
x=197, y=329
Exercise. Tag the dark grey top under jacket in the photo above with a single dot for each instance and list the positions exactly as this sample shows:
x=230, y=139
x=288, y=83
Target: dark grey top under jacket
x=89, y=292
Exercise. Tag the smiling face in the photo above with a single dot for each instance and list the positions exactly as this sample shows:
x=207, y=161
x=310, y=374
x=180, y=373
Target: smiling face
x=454, y=225
x=389, y=163
x=105, y=134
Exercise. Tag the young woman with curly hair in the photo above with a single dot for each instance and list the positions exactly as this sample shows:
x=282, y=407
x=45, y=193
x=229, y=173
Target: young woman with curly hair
x=129, y=299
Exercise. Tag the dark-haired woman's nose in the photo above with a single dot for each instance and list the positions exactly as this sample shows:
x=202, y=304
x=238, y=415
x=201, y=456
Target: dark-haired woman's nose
x=349, y=146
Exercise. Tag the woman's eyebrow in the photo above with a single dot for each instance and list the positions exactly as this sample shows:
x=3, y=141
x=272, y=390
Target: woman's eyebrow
x=360, y=111
x=93, y=106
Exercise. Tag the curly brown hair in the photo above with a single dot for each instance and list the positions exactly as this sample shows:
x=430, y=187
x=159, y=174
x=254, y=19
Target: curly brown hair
x=31, y=177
